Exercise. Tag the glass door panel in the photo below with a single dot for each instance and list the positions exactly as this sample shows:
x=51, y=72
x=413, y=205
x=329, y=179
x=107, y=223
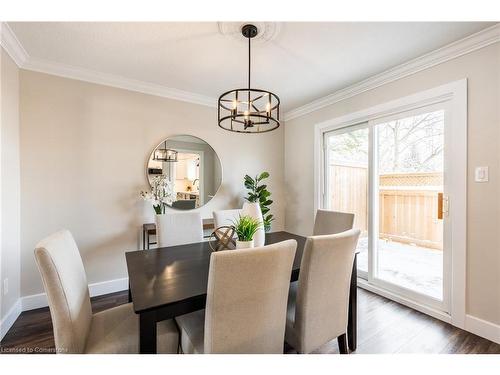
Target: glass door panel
x=409, y=181
x=346, y=181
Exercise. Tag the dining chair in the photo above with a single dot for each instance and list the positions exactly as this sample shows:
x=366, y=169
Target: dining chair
x=225, y=217
x=76, y=329
x=179, y=228
x=331, y=222
x=246, y=302
x=318, y=304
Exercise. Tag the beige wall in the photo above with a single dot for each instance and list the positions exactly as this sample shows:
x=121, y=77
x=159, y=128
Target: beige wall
x=9, y=176
x=482, y=68
x=84, y=148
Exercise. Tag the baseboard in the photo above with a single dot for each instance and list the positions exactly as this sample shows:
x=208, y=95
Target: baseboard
x=9, y=319
x=483, y=328
x=106, y=287
x=36, y=301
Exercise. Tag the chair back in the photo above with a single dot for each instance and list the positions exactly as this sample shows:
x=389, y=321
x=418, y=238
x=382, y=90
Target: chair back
x=65, y=284
x=174, y=229
x=321, y=310
x=331, y=222
x=225, y=217
x=247, y=298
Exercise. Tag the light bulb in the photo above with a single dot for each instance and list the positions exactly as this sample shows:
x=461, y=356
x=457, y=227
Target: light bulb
x=235, y=104
x=246, y=113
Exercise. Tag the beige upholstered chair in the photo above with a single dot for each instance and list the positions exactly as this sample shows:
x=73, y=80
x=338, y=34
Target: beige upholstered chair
x=76, y=329
x=331, y=222
x=225, y=217
x=318, y=303
x=246, y=302
x=179, y=228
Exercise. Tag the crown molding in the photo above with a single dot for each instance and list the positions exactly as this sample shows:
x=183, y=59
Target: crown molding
x=68, y=71
x=451, y=51
x=11, y=45
x=15, y=49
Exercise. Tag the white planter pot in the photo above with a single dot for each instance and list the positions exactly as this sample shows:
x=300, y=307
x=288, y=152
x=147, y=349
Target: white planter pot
x=160, y=223
x=253, y=210
x=244, y=244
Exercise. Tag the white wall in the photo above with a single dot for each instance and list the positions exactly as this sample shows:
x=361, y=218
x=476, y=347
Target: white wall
x=10, y=180
x=84, y=148
x=482, y=68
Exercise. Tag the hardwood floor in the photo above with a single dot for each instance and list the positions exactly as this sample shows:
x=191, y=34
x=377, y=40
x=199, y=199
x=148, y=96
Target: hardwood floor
x=384, y=326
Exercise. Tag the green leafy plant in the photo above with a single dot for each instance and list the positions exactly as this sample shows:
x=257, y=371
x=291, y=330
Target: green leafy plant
x=259, y=193
x=246, y=227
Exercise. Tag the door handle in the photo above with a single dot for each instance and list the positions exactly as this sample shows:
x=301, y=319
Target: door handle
x=443, y=206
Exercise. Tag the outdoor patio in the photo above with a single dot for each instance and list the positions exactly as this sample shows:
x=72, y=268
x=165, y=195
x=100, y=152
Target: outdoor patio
x=413, y=267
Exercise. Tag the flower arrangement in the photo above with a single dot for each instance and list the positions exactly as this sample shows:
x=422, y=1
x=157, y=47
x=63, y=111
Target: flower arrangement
x=246, y=227
x=162, y=193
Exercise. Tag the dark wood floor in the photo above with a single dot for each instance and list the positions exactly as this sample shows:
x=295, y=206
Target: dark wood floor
x=384, y=326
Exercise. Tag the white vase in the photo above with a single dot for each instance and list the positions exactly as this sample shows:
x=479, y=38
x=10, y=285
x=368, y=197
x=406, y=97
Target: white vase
x=160, y=219
x=253, y=210
x=244, y=244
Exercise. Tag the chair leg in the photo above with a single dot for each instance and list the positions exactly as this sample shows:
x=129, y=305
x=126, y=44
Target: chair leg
x=179, y=346
x=342, y=340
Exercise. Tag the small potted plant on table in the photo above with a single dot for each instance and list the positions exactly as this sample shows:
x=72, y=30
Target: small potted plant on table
x=245, y=228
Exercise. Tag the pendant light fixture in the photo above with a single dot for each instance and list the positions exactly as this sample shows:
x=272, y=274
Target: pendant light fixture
x=249, y=110
x=165, y=154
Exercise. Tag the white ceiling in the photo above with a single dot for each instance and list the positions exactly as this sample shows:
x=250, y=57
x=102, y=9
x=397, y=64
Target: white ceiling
x=302, y=62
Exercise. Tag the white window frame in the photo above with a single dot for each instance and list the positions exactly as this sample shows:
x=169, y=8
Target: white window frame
x=454, y=94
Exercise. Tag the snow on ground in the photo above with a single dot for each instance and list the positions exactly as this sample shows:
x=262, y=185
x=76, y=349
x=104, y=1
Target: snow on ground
x=413, y=267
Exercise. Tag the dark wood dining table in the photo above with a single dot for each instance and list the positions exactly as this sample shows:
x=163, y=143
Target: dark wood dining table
x=172, y=281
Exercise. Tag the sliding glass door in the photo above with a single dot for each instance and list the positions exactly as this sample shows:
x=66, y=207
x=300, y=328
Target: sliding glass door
x=390, y=173
x=346, y=181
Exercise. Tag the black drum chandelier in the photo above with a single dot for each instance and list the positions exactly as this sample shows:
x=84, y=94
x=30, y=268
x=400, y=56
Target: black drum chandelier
x=165, y=154
x=249, y=110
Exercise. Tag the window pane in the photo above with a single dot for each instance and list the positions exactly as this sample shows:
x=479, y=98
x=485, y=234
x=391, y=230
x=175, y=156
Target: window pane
x=347, y=181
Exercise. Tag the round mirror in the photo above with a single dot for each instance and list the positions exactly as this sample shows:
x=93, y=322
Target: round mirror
x=192, y=166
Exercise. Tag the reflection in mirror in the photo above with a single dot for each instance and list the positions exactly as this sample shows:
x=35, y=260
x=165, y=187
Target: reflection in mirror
x=192, y=165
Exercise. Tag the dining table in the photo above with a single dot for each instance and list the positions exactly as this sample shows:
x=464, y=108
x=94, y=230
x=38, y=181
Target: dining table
x=171, y=281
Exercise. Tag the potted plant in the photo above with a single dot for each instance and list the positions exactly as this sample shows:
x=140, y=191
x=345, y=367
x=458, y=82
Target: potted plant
x=259, y=195
x=245, y=228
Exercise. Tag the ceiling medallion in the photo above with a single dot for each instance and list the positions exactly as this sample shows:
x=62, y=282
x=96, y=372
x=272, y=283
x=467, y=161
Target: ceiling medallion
x=267, y=30
x=249, y=110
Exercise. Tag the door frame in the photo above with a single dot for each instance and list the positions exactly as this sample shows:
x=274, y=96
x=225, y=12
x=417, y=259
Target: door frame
x=454, y=94
x=201, y=182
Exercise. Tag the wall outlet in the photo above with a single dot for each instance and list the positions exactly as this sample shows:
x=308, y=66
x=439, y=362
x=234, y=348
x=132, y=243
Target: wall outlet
x=5, y=286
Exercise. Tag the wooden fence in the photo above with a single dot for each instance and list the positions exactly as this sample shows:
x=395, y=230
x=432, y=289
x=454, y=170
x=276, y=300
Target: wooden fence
x=407, y=203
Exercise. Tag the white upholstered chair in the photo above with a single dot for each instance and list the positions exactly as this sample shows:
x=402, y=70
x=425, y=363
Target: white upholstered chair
x=76, y=329
x=179, y=228
x=318, y=303
x=226, y=217
x=246, y=302
x=331, y=222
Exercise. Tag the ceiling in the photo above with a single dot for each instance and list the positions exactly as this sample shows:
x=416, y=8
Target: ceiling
x=299, y=61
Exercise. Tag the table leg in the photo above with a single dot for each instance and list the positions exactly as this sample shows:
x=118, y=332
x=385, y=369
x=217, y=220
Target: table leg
x=147, y=333
x=352, y=329
x=143, y=239
x=129, y=294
